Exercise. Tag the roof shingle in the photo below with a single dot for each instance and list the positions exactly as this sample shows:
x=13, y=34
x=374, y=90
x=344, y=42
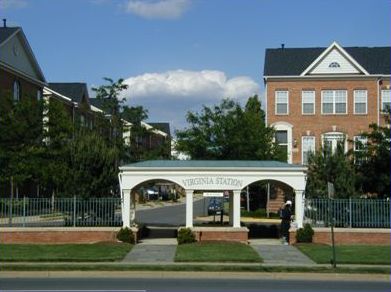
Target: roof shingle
x=293, y=61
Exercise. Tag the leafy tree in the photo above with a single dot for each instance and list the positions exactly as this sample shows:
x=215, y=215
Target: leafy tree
x=373, y=165
x=20, y=139
x=93, y=172
x=227, y=131
x=325, y=166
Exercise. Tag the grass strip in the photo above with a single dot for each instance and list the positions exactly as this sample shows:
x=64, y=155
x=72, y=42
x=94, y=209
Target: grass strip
x=216, y=252
x=100, y=252
x=196, y=268
x=348, y=254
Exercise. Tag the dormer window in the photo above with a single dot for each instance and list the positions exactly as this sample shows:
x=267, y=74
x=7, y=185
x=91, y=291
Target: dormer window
x=334, y=65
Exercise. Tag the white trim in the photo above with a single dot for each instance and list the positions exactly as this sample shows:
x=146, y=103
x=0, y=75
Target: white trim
x=302, y=103
x=334, y=102
x=345, y=136
x=381, y=98
x=12, y=70
x=287, y=103
x=339, y=76
x=366, y=102
x=48, y=91
x=328, y=50
x=284, y=126
x=302, y=148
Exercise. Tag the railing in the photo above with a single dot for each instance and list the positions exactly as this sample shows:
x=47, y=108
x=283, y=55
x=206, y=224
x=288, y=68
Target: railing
x=74, y=211
x=353, y=213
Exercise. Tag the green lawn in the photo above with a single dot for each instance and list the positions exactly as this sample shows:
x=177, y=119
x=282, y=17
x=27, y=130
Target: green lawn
x=216, y=252
x=64, y=252
x=348, y=254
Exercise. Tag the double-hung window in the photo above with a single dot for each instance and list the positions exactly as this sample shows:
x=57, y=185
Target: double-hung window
x=385, y=99
x=360, y=101
x=307, y=147
x=282, y=141
x=334, y=102
x=282, y=102
x=331, y=141
x=308, y=102
x=359, y=146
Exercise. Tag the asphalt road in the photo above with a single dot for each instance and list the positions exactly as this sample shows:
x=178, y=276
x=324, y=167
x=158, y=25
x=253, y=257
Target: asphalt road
x=189, y=284
x=170, y=215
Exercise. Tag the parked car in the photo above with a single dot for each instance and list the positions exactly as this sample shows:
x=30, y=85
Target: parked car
x=215, y=206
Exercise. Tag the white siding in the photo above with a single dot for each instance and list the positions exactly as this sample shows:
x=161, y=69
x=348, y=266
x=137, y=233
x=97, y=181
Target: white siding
x=346, y=67
x=22, y=61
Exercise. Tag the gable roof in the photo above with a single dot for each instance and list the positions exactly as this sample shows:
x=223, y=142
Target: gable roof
x=7, y=33
x=73, y=90
x=164, y=127
x=293, y=61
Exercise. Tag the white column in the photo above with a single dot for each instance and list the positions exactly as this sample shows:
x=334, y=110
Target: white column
x=231, y=209
x=236, y=209
x=299, y=208
x=189, y=208
x=126, y=206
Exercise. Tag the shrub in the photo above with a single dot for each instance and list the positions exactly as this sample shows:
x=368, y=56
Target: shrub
x=185, y=235
x=126, y=235
x=305, y=234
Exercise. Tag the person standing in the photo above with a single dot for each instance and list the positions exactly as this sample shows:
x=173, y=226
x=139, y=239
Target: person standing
x=286, y=217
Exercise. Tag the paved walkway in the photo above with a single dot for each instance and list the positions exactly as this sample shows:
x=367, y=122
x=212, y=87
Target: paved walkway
x=274, y=252
x=160, y=250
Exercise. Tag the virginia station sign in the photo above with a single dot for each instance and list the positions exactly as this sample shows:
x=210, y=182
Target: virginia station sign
x=207, y=182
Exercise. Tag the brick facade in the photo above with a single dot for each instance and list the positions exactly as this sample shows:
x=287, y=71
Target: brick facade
x=346, y=236
x=28, y=88
x=221, y=234
x=60, y=235
x=317, y=124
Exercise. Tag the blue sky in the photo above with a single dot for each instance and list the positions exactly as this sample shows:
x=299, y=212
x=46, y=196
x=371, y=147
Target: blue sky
x=179, y=54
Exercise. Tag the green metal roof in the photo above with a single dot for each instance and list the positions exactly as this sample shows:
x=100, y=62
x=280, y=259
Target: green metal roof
x=210, y=164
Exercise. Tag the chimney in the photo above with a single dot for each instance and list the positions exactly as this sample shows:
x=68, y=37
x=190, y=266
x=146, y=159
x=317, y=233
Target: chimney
x=4, y=22
x=282, y=46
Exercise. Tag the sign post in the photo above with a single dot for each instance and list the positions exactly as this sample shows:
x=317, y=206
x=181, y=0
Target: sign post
x=331, y=192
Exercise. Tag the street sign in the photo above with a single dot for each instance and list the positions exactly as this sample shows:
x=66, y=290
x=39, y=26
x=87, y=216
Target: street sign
x=213, y=194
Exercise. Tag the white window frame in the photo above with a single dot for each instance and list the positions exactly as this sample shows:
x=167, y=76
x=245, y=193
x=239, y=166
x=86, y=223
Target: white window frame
x=16, y=91
x=284, y=126
x=310, y=150
x=287, y=102
x=335, y=142
x=355, y=97
x=383, y=97
x=334, y=102
x=362, y=139
x=302, y=101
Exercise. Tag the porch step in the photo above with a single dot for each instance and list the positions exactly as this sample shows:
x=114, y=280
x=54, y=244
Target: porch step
x=161, y=232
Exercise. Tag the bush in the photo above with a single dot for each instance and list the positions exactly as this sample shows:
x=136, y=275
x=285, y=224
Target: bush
x=185, y=235
x=305, y=234
x=126, y=235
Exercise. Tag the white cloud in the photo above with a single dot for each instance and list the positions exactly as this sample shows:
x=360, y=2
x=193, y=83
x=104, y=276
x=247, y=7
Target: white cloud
x=9, y=4
x=168, y=96
x=157, y=9
x=204, y=85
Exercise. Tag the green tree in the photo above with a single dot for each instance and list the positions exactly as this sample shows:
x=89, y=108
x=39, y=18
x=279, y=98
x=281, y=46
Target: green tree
x=373, y=162
x=20, y=139
x=227, y=131
x=59, y=131
x=93, y=171
x=325, y=166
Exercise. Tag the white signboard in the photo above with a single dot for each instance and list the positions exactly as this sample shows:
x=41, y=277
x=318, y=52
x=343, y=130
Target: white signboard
x=213, y=194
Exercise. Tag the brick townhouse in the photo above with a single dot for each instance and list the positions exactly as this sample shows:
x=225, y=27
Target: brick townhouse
x=317, y=97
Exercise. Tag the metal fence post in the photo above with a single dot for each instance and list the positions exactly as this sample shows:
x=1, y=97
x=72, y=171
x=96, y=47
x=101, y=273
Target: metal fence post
x=24, y=211
x=74, y=211
x=350, y=212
